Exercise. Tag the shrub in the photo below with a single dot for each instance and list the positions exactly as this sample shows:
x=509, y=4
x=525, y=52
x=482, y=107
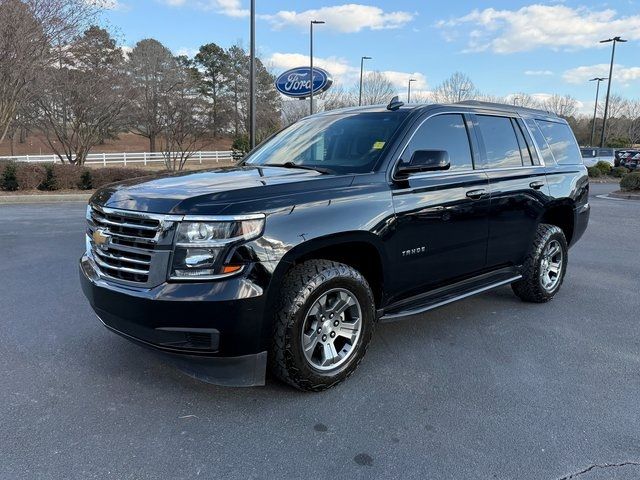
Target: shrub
x=631, y=182
x=86, y=182
x=105, y=176
x=594, y=172
x=8, y=179
x=240, y=147
x=66, y=177
x=619, y=172
x=48, y=183
x=30, y=176
x=604, y=167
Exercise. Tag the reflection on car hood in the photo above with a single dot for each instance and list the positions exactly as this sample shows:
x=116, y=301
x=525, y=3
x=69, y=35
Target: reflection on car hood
x=212, y=191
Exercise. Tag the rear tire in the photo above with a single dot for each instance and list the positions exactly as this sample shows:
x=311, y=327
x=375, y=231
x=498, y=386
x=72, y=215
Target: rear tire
x=544, y=267
x=323, y=326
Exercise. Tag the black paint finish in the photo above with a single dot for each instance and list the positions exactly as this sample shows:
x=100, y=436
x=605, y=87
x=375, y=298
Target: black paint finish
x=420, y=233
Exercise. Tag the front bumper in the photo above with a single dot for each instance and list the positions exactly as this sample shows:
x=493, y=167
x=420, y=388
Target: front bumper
x=213, y=331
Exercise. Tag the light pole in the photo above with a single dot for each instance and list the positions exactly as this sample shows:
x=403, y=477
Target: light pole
x=409, y=90
x=312, y=23
x=606, y=103
x=252, y=79
x=362, y=59
x=595, y=108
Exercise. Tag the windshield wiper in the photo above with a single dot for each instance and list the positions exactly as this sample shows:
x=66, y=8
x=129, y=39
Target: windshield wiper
x=302, y=167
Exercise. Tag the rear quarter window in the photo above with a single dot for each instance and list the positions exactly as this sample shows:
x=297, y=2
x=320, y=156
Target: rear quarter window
x=561, y=141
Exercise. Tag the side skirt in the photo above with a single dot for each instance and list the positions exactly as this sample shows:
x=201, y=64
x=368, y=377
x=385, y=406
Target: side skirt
x=451, y=293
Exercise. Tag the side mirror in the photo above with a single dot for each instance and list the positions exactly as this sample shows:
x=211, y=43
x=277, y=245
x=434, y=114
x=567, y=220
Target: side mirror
x=425, y=161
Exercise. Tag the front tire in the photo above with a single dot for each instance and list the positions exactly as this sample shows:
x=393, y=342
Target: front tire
x=323, y=326
x=544, y=267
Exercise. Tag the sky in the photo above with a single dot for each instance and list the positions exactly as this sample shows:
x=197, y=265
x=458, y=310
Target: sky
x=506, y=47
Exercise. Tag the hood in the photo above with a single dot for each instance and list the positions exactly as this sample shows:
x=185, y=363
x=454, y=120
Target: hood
x=213, y=192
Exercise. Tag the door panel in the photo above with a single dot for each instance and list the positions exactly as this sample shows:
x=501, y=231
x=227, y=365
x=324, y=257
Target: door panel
x=518, y=197
x=441, y=233
x=518, y=188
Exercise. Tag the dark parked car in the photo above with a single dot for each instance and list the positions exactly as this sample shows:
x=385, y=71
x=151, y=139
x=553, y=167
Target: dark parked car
x=631, y=160
x=340, y=221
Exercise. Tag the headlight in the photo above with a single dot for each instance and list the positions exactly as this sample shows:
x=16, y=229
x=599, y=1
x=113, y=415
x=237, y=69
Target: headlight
x=202, y=245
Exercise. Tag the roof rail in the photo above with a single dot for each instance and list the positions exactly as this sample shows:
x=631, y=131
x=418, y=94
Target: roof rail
x=479, y=103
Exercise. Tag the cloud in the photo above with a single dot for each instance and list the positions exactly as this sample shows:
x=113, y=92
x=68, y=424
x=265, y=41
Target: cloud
x=348, y=18
x=583, y=74
x=343, y=73
x=400, y=80
x=187, y=52
x=106, y=4
x=230, y=8
x=540, y=26
x=338, y=67
x=535, y=73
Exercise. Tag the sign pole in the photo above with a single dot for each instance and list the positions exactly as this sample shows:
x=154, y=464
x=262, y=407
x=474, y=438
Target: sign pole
x=252, y=79
x=311, y=62
x=312, y=23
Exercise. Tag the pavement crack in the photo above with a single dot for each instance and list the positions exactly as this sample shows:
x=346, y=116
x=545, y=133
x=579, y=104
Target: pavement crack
x=599, y=466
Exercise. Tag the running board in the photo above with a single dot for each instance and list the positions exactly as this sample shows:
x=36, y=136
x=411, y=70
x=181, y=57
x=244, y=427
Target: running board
x=445, y=295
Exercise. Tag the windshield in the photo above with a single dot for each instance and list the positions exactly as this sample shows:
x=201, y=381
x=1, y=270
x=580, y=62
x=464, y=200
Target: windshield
x=341, y=143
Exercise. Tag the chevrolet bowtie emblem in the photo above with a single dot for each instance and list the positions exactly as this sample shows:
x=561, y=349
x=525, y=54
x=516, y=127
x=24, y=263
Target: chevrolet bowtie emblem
x=100, y=238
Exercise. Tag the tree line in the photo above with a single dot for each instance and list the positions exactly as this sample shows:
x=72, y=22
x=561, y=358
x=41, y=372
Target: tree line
x=623, y=123
x=67, y=79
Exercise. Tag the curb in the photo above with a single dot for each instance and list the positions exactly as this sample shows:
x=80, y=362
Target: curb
x=625, y=195
x=17, y=199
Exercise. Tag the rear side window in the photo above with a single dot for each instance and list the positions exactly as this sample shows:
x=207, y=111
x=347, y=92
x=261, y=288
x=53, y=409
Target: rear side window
x=524, y=148
x=545, y=151
x=561, y=142
x=500, y=142
x=443, y=132
x=589, y=152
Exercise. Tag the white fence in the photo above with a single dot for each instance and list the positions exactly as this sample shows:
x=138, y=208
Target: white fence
x=125, y=158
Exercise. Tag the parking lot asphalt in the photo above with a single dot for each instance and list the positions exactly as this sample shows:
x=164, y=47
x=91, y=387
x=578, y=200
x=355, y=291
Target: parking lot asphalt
x=487, y=388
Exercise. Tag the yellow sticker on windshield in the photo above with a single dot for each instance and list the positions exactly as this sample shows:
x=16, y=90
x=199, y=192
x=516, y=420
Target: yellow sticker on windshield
x=378, y=145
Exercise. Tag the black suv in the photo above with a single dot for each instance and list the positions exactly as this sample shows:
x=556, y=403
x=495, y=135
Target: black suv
x=340, y=221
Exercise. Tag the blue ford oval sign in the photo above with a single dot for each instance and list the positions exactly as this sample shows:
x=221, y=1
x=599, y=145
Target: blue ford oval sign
x=297, y=84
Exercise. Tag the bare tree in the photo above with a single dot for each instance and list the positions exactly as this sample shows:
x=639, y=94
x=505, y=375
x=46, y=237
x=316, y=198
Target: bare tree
x=81, y=103
x=422, y=97
x=338, y=97
x=376, y=88
x=152, y=71
x=457, y=88
x=293, y=111
x=562, y=105
x=633, y=115
x=615, y=120
x=184, y=119
x=30, y=32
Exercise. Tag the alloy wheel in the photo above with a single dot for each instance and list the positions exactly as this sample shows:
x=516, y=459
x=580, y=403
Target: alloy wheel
x=332, y=329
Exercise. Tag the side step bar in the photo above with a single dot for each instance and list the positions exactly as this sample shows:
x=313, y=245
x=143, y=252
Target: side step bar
x=445, y=295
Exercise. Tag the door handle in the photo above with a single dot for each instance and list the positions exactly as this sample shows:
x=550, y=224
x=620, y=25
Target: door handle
x=476, y=194
x=536, y=185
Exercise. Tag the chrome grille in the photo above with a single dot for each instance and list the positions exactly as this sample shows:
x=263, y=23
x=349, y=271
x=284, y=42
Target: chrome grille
x=129, y=247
